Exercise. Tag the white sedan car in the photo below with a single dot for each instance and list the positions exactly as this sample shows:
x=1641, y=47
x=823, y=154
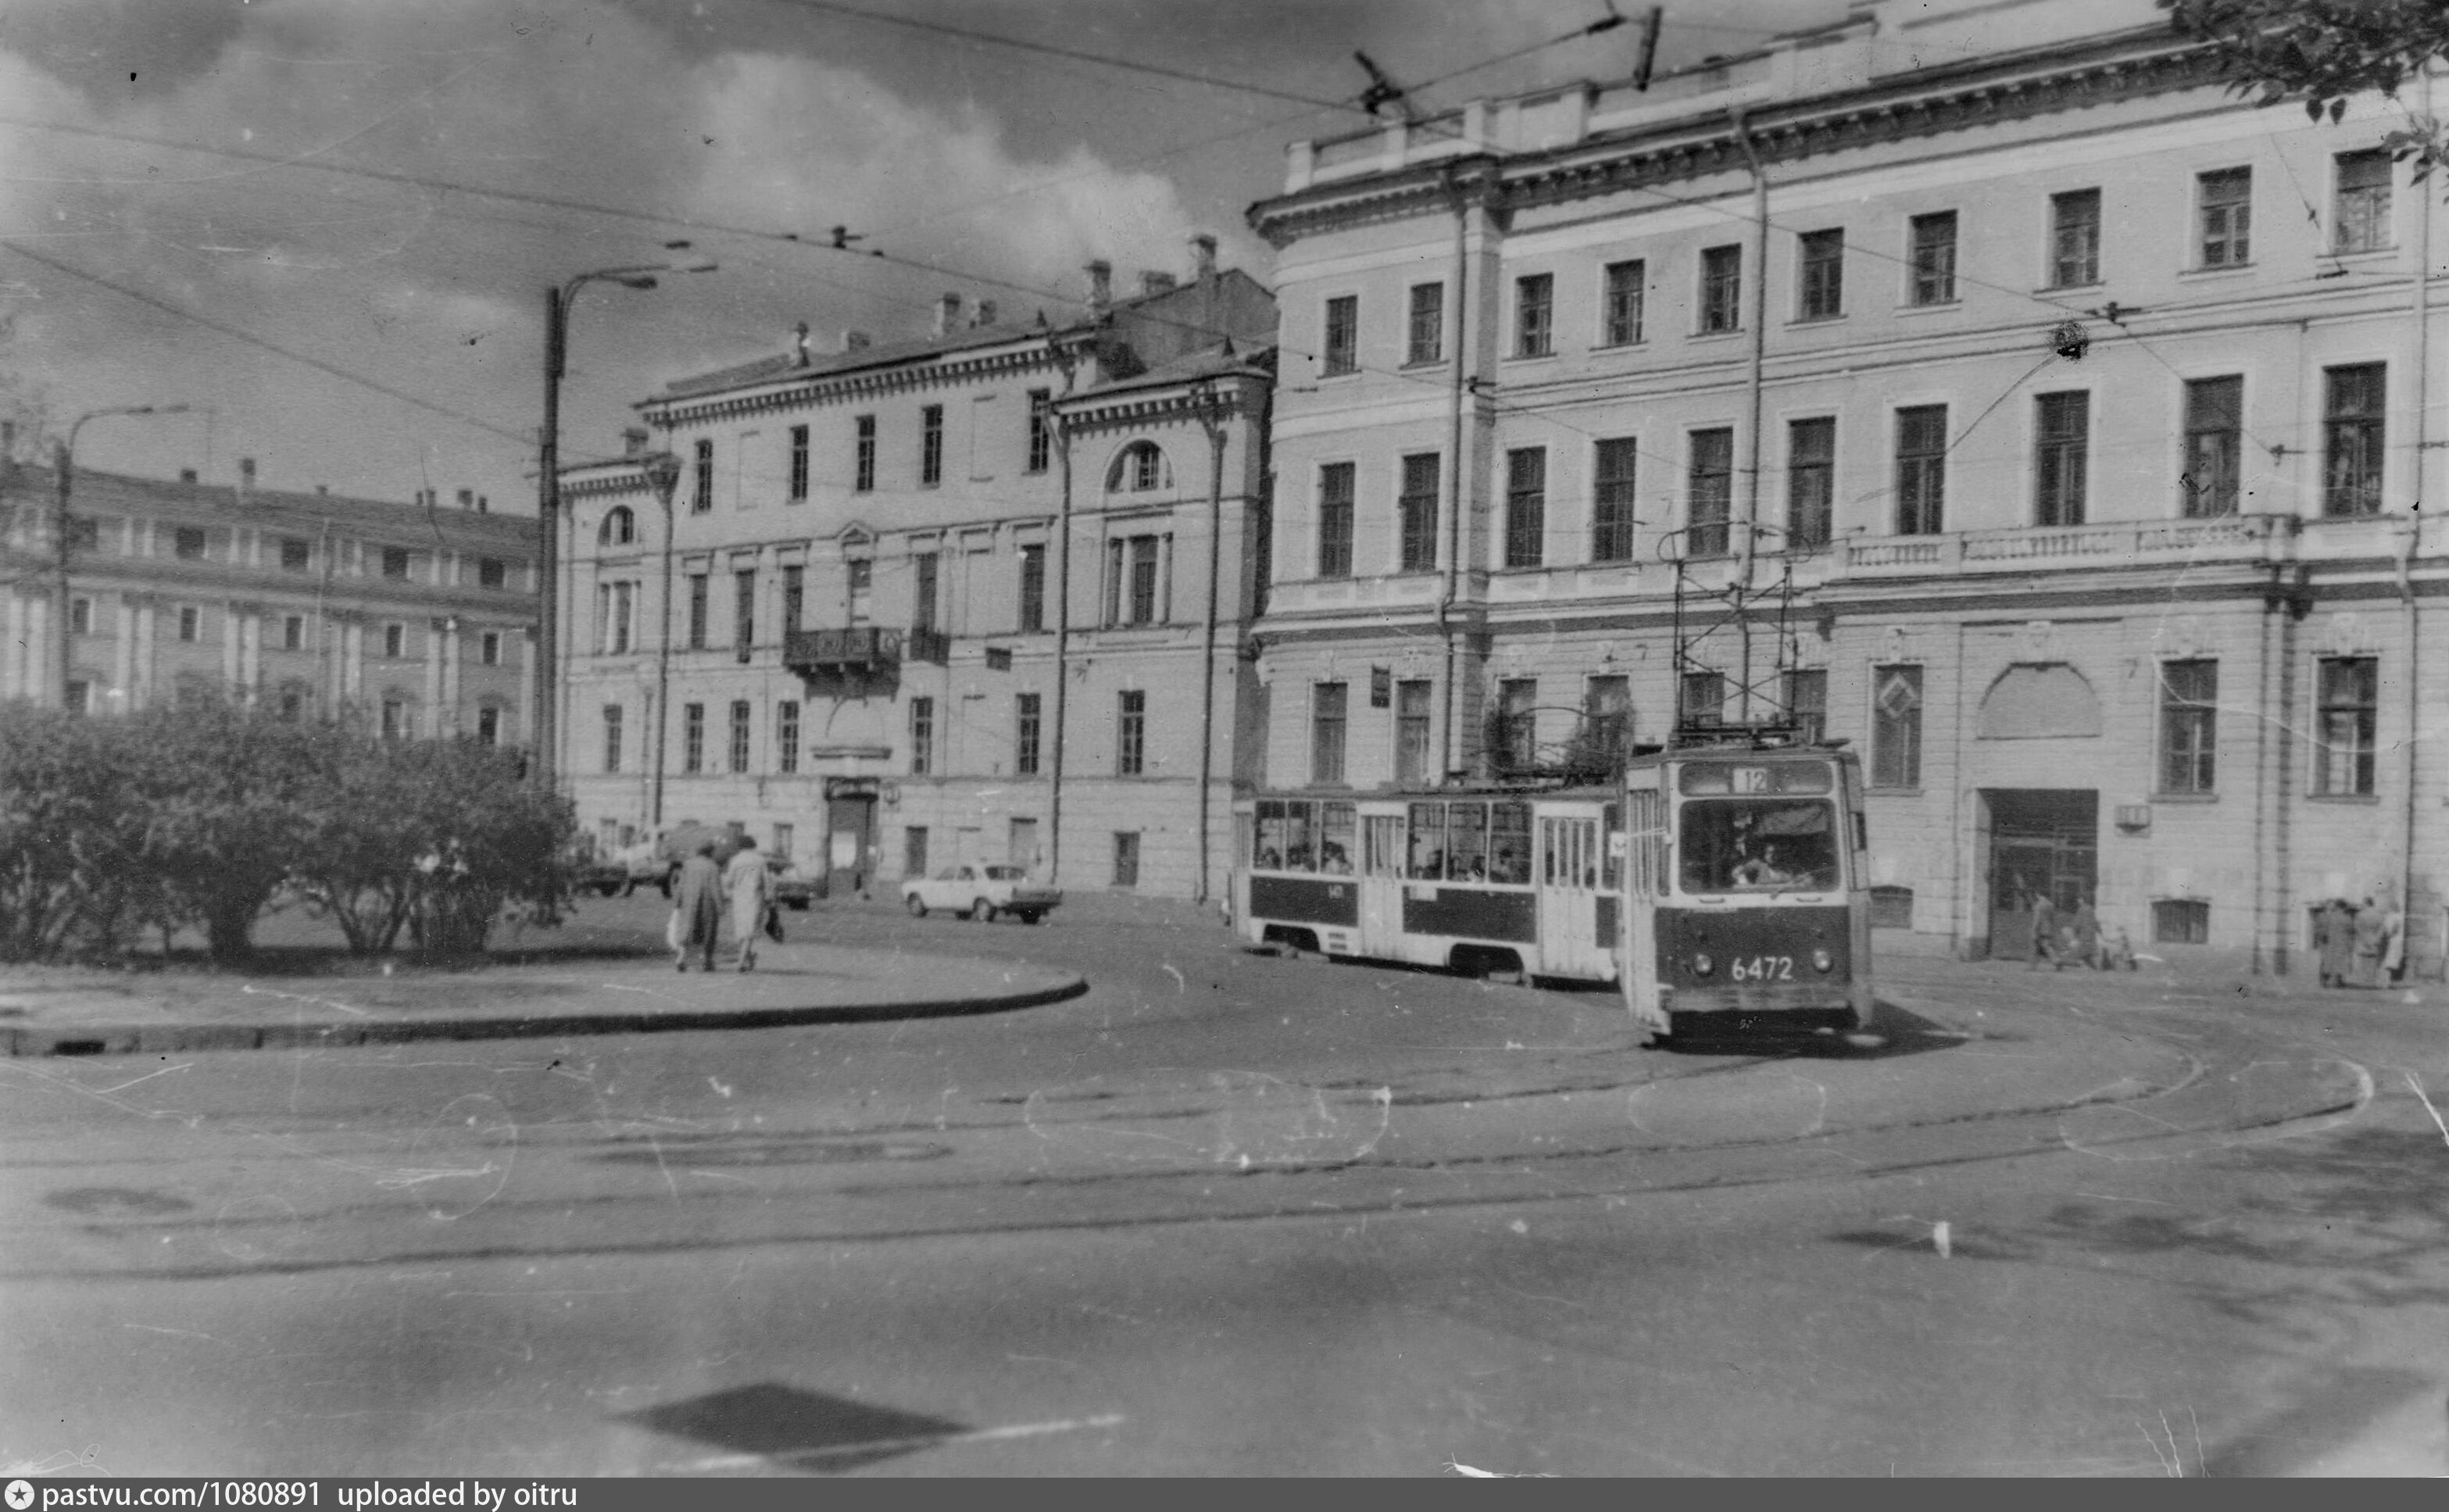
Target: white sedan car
x=981, y=892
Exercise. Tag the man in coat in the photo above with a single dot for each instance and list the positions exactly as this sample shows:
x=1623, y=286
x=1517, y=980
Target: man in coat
x=749, y=888
x=2334, y=936
x=698, y=904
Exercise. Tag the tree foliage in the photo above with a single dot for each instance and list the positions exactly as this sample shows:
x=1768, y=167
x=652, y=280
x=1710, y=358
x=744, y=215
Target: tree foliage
x=2321, y=53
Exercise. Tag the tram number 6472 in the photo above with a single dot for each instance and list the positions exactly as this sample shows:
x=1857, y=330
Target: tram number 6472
x=1764, y=968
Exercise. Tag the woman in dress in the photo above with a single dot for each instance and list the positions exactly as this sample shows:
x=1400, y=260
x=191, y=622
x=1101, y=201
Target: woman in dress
x=751, y=888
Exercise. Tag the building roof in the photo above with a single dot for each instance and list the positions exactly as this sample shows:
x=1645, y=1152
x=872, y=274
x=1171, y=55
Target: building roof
x=95, y=493
x=1217, y=362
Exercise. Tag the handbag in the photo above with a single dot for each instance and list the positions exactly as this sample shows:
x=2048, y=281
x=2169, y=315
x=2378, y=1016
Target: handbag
x=774, y=923
x=674, y=935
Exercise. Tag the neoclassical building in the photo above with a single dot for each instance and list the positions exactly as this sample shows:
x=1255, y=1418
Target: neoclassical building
x=417, y=618
x=2059, y=425
x=980, y=594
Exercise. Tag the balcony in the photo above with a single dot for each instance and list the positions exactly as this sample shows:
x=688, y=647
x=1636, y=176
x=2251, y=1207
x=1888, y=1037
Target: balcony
x=861, y=651
x=2140, y=543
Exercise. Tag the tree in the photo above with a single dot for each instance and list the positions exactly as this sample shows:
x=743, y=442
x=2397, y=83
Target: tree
x=2324, y=53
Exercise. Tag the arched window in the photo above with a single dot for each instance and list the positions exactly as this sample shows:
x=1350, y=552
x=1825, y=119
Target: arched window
x=619, y=526
x=1139, y=468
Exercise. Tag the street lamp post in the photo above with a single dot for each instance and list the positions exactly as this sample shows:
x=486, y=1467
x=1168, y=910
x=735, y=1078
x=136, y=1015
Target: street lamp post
x=664, y=472
x=545, y=719
x=63, y=657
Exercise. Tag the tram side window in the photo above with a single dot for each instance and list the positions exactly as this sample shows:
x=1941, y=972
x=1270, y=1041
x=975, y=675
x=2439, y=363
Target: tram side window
x=1287, y=835
x=1467, y=843
x=1335, y=838
x=1268, y=852
x=1758, y=844
x=1300, y=821
x=1611, y=826
x=1428, y=859
x=1509, y=843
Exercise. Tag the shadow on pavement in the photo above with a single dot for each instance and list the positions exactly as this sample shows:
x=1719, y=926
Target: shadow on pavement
x=1894, y=1032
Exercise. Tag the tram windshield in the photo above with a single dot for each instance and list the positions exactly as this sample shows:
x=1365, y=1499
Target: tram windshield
x=1756, y=845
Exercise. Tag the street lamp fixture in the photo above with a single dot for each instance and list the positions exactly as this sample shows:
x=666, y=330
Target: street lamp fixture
x=546, y=720
x=63, y=657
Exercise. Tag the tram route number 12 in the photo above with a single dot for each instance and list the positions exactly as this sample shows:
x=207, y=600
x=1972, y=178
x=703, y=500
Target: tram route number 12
x=1762, y=968
x=1751, y=780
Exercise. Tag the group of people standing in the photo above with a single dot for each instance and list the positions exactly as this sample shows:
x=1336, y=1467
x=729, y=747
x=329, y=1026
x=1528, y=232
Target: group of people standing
x=2360, y=945
x=2075, y=938
x=704, y=892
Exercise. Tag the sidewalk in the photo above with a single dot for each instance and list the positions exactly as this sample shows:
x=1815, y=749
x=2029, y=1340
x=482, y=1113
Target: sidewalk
x=95, y=1013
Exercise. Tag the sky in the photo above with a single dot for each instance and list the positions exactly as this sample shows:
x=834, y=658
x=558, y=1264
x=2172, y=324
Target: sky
x=327, y=227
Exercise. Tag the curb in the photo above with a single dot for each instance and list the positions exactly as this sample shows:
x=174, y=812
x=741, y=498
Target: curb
x=109, y=1039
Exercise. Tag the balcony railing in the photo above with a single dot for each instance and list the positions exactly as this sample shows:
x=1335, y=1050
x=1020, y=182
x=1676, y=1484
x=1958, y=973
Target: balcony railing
x=861, y=651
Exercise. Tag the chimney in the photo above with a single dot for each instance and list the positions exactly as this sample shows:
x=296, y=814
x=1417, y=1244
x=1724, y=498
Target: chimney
x=854, y=341
x=633, y=441
x=1101, y=286
x=948, y=314
x=1151, y=282
x=800, y=344
x=1203, y=256
x=986, y=313
x=245, y=477
x=483, y=505
x=186, y=474
x=467, y=498
x=323, y=491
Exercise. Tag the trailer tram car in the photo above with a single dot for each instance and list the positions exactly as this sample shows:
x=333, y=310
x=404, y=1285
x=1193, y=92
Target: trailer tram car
x=1747, y=899
x=1486, y=882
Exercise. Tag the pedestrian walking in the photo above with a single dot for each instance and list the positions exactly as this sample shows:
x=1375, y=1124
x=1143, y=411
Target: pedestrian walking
x=697, y=910
x=2371, y=943
x=2334, y=936
x=750, y=889
x=2045, y=933
x=2084, y=926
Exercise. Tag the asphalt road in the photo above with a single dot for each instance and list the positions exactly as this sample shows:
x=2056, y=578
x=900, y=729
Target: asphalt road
x=1229, y=1213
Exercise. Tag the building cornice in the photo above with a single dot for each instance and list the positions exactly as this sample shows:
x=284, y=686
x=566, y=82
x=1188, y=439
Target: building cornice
x=768, y=395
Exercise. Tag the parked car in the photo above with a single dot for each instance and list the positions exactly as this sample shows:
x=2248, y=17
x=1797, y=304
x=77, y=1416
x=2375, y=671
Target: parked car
x=981, y=892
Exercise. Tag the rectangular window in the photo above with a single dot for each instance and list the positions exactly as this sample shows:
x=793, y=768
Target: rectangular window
x=1131, y=733
x=489, y=649
x=863, y=455
x=701, y=488
x=744, y=608
x=1711, y=493
x=620, y=600
x=1326, y=721
x=786, y=736
x=2181, y=921
x=783, y=836
x=1033, y=588
x=1931, y=258
x=931, y=446
x=394, y=558
x=2074, y=238
x=2214, y=446
x=2353, y=400
x=2062, y=442
x=2350, y=714
x=1417, y=512
x=1892, y=907
x=1127, y=858
x=1526, y=506
x=1144, y=581
x=1722, y=289
x=799, y=464
x=2225, y=201
x=295, y=555
x=1806, y=704
x=692, y=738
x=1117, y=568
x=293, y=634
x=191, y=623
x=1700, y=700
x=860, y=583
x=1425, y=332
x=188, y=542
x=1607, y=720
x=1896, y=726
x=697, y=611
x=1620, y=304
x=1026, y=732
x=922, y=736
x=913, y=851
x=612, y=717
x=80, y=616
x=2359, y=217
x=2189, y=725
x=1342, y=335
x=1412, y=730
x=923, y=605
x=1810, y=483
x=740, y=734
x=1041, y=429
x=1335, y=489
x=395, y=719
x=1820, y=268
x=395, y=641
x=489, y=724
x=1534, y=315
x=491, y=572
x=1922, y=470
x=1516, y=734
x=795, y=597
x=1611, y=499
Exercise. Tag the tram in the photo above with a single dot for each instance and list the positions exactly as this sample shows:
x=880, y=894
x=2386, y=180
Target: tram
x=1489, y=882
x=1746, y=897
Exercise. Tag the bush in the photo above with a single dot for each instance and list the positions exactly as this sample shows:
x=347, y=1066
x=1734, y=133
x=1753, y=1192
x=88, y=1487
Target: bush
x=69, y=833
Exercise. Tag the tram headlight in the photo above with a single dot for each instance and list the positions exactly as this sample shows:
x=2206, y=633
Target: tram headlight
x=1822, y=960
x=1701, y=964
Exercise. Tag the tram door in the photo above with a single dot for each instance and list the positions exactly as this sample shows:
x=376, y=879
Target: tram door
x=1381, y=881
x=1570, y=942
x=1645, y=878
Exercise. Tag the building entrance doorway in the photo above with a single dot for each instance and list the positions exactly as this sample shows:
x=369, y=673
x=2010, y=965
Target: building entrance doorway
x=2044, y=842
x=850, y=835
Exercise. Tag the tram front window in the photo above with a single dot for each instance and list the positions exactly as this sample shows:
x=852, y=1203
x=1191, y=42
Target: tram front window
x=1775, y=845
